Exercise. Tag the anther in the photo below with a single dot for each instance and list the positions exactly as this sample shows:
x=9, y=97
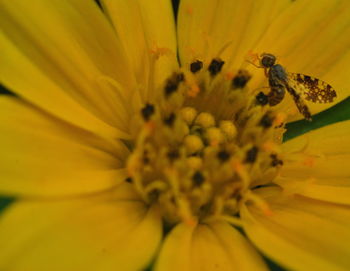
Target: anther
x=196, y=66
x=180, y=77
x=198, y=178
x=145, y=158
x=262, y=99
x=251, y=155
x=128, y=180
x=215, y=66
x=266, y=121
x=169, y=120
x=223, y=156
x=173, y=82
x=275, y=161
x=241, y=79
x=147, y=111
x=173, y=155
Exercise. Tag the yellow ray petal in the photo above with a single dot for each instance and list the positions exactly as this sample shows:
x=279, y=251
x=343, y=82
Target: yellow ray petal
x=331, y=192
x=312, y=38
x=206, y=27
x=317, y=164
x=47, y=95
x=93, y=234
x=145, y=29
x=322, y=153
x=42, y=155
x=301, y=234
x=57, y=51
x=207, y=247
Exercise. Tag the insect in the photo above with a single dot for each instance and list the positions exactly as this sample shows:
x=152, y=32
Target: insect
x=300, y=87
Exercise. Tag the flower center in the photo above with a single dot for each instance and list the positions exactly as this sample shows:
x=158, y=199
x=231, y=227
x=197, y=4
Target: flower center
x=203, y=147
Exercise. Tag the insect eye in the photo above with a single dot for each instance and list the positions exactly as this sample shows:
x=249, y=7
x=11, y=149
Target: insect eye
x=268, y=60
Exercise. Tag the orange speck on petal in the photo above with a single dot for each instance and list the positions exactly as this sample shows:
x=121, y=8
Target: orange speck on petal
x=214, y=143
x=309, y=161
x=192, y=222
x=189, y=10
x=160, y=51
x=270, y=146
x=311, y=180
x=267, y=211
x=193, y=90
x=280, y=118
x=150, y=125
x=229, y=75
x=237, y=165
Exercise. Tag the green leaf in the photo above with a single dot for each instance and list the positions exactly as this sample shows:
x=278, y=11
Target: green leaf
x=339, y=112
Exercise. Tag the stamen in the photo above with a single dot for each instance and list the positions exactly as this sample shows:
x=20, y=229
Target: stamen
x=128, y=180
x=198, y=178
x=215, y=66
x=223, y=156
x=147, y=112
x=251, y=155
x=241, y=79
x=275, y=161
x=266, y=121
x=196, y=66
x=172, y=83
x=170, y=120
x=173, y=155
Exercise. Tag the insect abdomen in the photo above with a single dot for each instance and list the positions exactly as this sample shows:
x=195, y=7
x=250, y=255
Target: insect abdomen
x=277, y=92
x=276, y=95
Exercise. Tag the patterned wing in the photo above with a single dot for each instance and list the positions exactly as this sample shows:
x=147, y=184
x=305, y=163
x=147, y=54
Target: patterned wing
x=312, y=89
x=300, y=103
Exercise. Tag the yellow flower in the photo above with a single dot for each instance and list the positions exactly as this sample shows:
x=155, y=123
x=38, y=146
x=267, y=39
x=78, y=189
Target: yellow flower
x=121, y=156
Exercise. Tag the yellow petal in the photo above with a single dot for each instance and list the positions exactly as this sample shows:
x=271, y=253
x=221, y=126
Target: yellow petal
x=300, y=234
x=42, y=155
x=330, y=192
x=316, y=164
x=145, y=28
x=57, y=53
x=100, y=233
x=217, y=246
x=330, y=140
x=229, y=29
x=312, y=38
